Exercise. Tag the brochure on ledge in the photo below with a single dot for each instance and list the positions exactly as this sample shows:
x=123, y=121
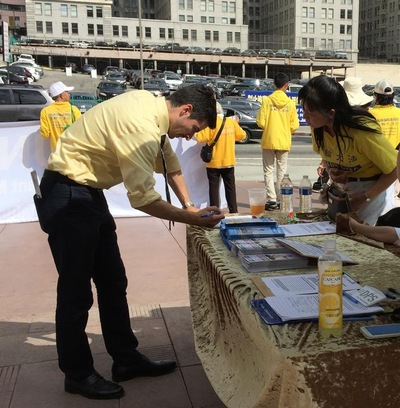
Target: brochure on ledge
x=294, y=298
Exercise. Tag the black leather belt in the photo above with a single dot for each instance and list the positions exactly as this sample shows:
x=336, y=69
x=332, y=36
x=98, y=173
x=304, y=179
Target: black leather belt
x=60, y=178
x=364, y=178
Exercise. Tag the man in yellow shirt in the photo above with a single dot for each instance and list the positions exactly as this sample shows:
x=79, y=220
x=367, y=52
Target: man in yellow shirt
x=120, y=140
x=278, y=119
x=55, y=118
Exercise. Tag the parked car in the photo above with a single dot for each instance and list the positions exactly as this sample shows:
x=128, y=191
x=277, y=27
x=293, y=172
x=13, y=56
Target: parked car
x=15, y=78
x=194, y=50
x=108, y=89
x=80, y=44
x=324, y=54
x=213, y=51
x=247, y=121
x=172, y=80
x=244, y=104
x=110, y=68
x=219, y=85
x=87, y=68
x=340, y=55
x=26, y=57
x=122, y=44
x=249, y=53
x=101, y=44
x=83, y=100
x=29, y=72
x=172, y=47
x=283, y=53
x=157, y=87
x=231, y=51
x=266, y=52
x=22, y=102
x=115, y=76
x=300, y=54
x=29, y=64
x=57, y=41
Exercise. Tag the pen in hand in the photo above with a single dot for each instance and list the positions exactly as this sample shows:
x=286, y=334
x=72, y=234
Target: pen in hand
x=210, y=214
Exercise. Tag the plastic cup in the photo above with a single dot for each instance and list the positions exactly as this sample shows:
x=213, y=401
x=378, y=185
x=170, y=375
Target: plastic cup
x=257, y=199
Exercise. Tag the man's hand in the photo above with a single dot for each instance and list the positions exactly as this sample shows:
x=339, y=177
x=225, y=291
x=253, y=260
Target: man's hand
x=210, y=216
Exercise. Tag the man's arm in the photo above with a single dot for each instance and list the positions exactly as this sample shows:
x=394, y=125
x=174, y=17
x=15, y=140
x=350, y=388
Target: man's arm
x=166, y=211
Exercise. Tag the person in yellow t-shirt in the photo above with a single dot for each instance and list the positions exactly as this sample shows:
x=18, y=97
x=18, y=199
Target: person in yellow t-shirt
x=222, y=164
x=55, y=118
x=351, y=143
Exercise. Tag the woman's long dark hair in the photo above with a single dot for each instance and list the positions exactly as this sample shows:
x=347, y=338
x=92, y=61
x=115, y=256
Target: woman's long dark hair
x=322, y=94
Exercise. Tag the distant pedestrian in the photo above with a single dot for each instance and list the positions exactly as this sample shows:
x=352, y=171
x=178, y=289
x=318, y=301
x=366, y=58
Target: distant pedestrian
x=222, y=164
x=278, y=119
x=55, y=118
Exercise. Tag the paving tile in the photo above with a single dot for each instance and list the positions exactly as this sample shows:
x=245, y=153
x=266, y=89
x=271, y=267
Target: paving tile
x=199, y=388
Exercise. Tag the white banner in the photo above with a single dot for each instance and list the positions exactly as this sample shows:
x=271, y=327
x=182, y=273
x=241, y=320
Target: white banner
x=22, y=149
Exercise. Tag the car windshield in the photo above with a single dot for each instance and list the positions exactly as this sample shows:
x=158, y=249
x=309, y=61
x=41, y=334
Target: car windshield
x=112, y=86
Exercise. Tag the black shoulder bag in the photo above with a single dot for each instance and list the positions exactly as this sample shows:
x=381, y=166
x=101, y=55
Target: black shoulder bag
x=207, y=150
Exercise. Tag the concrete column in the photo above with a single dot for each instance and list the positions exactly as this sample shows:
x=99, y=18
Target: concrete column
x=50, y=61
x=219, y=67
x=187, y=67
x=266, y=70
x=243, y=69
x=121, y=63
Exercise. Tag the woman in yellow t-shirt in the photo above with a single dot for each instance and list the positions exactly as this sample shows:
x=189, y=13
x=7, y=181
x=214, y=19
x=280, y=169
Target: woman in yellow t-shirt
x=350, y=141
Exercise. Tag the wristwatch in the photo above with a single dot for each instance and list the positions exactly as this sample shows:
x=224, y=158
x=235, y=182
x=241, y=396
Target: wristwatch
x=188, y=204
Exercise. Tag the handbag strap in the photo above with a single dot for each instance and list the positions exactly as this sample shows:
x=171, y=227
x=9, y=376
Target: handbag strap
x=219, y=133
x=72, y=114
x=165, y=174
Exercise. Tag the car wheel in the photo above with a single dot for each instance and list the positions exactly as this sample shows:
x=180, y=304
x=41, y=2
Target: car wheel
x=247, y=138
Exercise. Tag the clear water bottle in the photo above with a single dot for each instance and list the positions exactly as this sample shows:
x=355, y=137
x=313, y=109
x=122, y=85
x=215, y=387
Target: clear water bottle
x=305, y=192
x=286, y=195
x=330, y=318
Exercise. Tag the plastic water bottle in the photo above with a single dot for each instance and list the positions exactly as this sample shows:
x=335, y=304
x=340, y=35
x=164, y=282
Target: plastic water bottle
x=330, y=319
x=305, y=192
x=286, y=195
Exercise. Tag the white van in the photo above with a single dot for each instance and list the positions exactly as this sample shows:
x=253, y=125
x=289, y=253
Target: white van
x=26, y=57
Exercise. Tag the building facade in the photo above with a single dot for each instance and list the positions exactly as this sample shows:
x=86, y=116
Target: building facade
x=205, y=23
x=379, y=33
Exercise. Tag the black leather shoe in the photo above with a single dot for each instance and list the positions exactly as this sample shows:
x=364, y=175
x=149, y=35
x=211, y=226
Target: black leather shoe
x=141, y=367
x=94, y=386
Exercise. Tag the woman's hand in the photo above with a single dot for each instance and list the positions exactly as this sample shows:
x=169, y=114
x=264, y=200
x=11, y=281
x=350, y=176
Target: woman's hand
x=357, y=200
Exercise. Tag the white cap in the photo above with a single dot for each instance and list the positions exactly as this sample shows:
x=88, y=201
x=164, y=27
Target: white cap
x=384, y=87
x=330, y=244
x=355, y=94
x=58, y=88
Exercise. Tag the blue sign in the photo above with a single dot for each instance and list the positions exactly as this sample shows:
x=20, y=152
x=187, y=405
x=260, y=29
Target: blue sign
x=259, y=95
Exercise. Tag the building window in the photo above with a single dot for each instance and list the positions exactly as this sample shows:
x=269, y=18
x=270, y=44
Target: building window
x=304, y=12
x=181, y=4
x=229, y=36
x=224, y=6
x=225, y=20
x=311, y=12
x=311, y=42
x=323, y=43
x=215, y=36
x=232, y=7
x=38, y=10
x=90, y=29
x=189, y=5
x=185, y=34
x=348, y=44
x=349, y=29
x=73, y=11
x=323, y=13
x=74, y=28
x=330, y=28
x=342, y=14
x=99, y=12
x=211, y=20
x=304, y=42
x=100, y=30
x=64, y=10
x=162, y=33
x=181, y=17
x=203, y=5
x=137, y=31
x=193, y=35
x=237, y=37
x=147, y=32
x=190, y=19
x=207, y=35
x=232, y=21
x=171, y=35
x=124, y=31
x=349, y=14
x=211, y=5
x=342, y=29
x=311, y=28
x=49, y=27
x=64, y=28
x=115, y=31
x=203, y=19
x=303, y=27
x=89, y=11
x=47, y=12
x=39, y=26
